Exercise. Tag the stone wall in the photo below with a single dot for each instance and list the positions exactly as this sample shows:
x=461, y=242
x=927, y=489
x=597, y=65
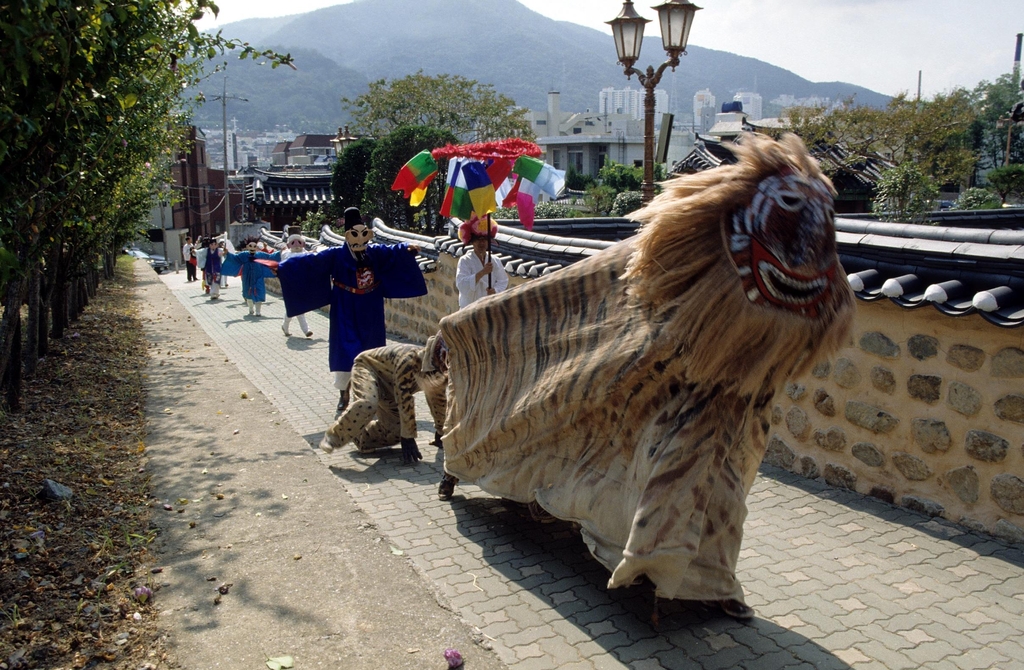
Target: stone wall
x=920, y=409
x=416, y=319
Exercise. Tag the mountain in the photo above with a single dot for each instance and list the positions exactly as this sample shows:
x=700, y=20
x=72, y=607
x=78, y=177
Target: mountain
x=499, y=42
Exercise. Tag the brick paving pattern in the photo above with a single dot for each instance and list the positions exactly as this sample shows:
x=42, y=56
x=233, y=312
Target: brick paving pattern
x=838, y=580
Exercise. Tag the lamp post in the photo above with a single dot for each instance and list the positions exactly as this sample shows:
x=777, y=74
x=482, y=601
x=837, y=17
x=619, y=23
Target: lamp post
x=675, y=17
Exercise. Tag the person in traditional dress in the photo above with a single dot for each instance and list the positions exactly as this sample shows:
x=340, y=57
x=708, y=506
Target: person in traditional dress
x=354, y=279
x=295, y=246
x=188, y=255
x=254, y=266
x=211, y=268
x=478, y=273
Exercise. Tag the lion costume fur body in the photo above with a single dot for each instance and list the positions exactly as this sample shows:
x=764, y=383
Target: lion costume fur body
x=630, y=392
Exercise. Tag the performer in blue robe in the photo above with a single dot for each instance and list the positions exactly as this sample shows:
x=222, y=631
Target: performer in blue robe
x=254, y=267
x=354, y=279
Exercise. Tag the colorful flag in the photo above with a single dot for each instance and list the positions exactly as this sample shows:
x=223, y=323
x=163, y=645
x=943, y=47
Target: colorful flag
x=498, y=170
x=550, y=180
x=526, y=201
x=469, y=190
x=481, y=190
x=415, y=176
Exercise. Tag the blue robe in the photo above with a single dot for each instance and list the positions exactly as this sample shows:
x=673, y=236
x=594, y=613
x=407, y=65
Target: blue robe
x=357, y=319
x=211, y=264
x=253, y=273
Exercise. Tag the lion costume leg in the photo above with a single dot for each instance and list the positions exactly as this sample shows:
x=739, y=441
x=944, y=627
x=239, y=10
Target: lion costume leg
x=350, y=425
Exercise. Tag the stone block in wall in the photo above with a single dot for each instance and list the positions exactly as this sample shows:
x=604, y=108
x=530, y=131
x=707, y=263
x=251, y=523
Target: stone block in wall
x=971, y=523
x=822, y=370
x=965, y=357
x=878, y=344
x=839, y=476
x=922, y=347
x=964, y=398
x=846, y=373
x=911, y=467
x=1008, y=363
x=925, y=387
x=1008, y=492
x=779, y=454
x=824, y=403
x=923, y=505
x=868, y=454
x=797, y=423
x=882, y=493
x=833, y=439
x=809, y=468
x=1008, y=531
x=872, y=418
x=776, y=415
x=795, y=391
x=931, y=435
x=984, y=446
x=964, y=483
x=883, y=379
x=1011, y=408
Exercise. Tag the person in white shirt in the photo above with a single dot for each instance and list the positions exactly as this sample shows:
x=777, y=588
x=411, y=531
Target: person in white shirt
x=189, y=258
x=295, y=247
x=478, y=273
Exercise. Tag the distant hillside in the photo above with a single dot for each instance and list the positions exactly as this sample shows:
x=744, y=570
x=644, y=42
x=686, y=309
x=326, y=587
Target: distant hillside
x=500, y=42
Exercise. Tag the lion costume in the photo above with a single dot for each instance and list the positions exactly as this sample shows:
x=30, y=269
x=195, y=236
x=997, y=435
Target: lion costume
x=630, y=392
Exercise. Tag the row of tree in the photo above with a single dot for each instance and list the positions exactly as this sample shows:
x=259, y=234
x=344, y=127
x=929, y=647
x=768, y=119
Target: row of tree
x=90, y=116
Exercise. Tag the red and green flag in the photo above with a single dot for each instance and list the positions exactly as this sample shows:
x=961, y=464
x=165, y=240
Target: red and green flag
x=415, y=176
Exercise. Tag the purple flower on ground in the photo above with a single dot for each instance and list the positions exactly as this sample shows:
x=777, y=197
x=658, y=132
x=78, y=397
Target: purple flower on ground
x=143, y=593
x=453, y=657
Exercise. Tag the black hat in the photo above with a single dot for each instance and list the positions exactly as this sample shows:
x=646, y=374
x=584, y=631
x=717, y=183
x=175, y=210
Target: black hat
x=352, y=218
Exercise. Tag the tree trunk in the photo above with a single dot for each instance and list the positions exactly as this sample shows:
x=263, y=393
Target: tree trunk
x=31, y=354
x=59, y=308
x=12, y=373
x=11, y=321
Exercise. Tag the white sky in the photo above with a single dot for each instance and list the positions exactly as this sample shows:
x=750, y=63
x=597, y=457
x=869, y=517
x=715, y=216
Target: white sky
x=879, y=44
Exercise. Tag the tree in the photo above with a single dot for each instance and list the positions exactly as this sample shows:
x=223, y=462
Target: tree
x=976, y=198
x=88, y=103
x=471, y=111
x=1006, y=181
x=350, y=174
x=904, y=193
x=993, y=102
x=388, y=156
x=576, y=180
x=935, y=134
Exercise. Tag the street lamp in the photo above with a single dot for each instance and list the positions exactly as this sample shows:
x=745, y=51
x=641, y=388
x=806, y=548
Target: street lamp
x=675, y=17
x=224, y=126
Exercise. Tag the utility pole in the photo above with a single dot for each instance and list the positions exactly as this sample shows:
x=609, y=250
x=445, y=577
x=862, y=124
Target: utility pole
x=226, y=202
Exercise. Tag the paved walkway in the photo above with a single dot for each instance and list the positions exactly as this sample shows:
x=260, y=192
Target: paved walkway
x=838, y=580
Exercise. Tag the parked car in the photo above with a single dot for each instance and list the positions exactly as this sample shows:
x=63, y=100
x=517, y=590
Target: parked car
x=158, y=263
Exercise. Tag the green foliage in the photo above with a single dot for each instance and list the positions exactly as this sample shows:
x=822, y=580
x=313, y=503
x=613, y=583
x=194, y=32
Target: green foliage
x=627, y=202
x=350, y=174
x=976, y=198
x=600, y=199
x=619, y=177
x=576, y=180
x=935, y=134
x=904, y=193
x=993, y=101
x=389, y=155
x=1007, y=181
x=544, y=210
x=314, y=221
x=469, y=110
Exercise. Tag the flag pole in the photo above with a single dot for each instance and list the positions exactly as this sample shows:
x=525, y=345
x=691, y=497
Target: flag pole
x=488, y=249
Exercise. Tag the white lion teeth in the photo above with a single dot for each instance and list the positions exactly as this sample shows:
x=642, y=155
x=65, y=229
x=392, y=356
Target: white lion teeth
x=738, y=243
x=773, y=276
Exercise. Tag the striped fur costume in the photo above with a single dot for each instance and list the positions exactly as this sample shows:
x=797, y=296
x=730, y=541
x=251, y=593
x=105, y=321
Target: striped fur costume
x=630, y=392
x=382, y=409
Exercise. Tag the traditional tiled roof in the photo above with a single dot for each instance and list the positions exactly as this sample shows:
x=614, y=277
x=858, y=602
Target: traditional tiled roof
x=289, y=188
x=958, y=271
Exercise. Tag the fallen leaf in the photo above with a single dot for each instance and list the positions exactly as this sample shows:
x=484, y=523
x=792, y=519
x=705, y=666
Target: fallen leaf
x=244, y=395
x=397, y=552
x=297, y=557
x=283, y=496
x=280, y=663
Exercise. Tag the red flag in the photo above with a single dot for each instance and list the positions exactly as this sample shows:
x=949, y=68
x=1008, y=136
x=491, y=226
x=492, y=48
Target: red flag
x=499, y=170
x=510, y=197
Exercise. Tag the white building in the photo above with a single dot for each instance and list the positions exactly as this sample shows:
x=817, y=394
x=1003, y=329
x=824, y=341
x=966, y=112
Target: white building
x=751, y=104
x=703, y=111
x=630, y=101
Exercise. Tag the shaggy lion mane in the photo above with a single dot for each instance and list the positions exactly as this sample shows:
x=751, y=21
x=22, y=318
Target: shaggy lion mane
x=682, y=271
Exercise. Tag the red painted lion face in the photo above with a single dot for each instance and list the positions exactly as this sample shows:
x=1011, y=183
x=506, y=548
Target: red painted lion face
x=783, y=244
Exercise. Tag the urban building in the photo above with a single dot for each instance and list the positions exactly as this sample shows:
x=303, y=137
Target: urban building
x=704, y=110
x=751, y=104
x=630, y=101
x=305, y=150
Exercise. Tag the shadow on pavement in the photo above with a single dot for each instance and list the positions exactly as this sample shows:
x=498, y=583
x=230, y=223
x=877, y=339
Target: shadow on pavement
x=551, y=561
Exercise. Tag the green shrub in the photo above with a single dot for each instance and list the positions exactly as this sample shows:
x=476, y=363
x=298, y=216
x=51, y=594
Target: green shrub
x=627, y=202
x=977, y=198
